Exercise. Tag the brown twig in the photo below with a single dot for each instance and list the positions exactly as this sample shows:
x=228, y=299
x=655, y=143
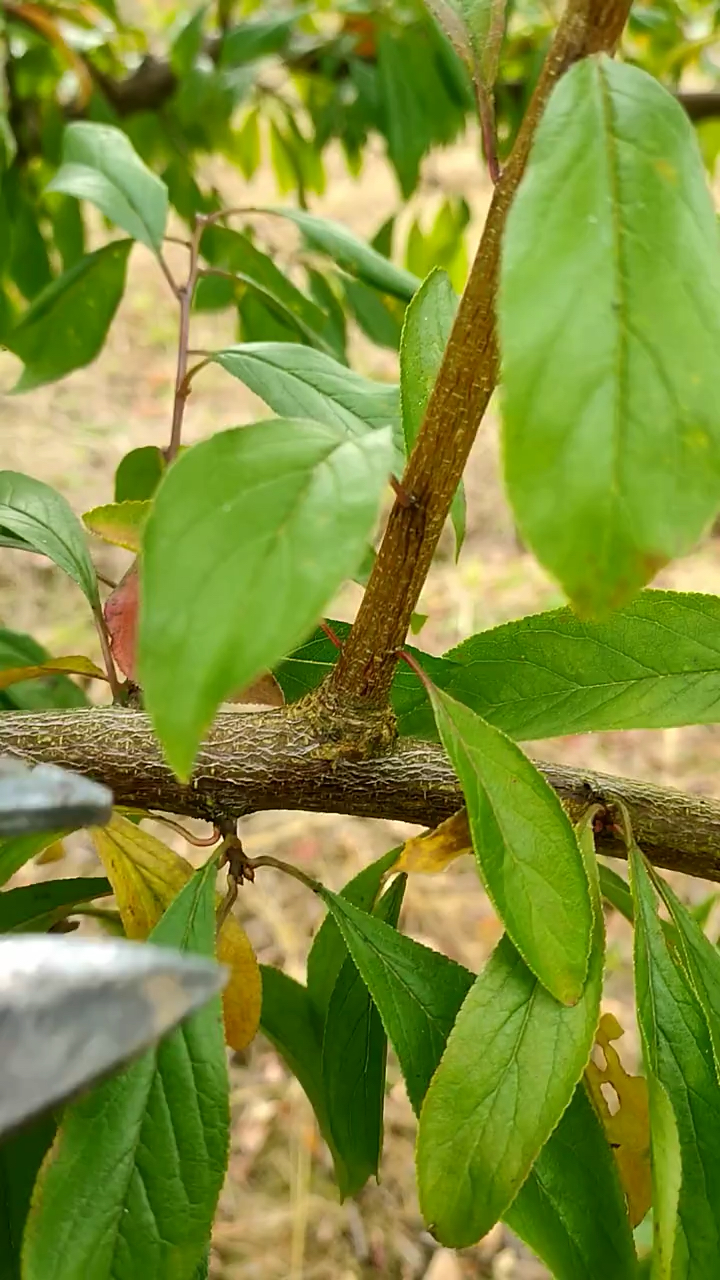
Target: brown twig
x=461, y=394
x=184, y=294
x=276, y=759
x=106, y=650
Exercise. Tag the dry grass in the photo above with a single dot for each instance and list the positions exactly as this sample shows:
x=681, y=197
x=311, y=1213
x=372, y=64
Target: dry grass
x=279, y=1215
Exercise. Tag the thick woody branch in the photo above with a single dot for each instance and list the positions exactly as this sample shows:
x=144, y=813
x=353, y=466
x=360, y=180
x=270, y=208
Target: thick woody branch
x=273, y=760
x=461, y=394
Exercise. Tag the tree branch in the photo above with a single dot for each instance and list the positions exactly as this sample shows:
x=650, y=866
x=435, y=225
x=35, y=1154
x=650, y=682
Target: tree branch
x=276, y=760
x=461, y=394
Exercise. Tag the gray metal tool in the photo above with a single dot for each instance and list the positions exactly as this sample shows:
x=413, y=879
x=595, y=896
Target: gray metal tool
x=72, y=1009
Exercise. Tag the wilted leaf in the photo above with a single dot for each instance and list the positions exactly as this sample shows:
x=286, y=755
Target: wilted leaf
x=433, y=851
x=119, y=523
x=46, y=522
x=66, y=325
x=101, y=165
x=146, y=877
x=264, y=691
x=627, y=1126
x=75, y=665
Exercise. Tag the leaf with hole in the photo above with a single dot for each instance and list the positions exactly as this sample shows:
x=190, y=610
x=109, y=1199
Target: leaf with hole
x=683, y=1085
x=610, y=371
x=285, y=510
x=99, y=164
x=66, y=326
x=526, y=849
x=46, y=522
x=146, y=876
x=154, y=1180
x=627, y=1127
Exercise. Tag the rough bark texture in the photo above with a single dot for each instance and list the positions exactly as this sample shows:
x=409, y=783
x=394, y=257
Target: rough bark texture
x=273, y=760
x=460, y=396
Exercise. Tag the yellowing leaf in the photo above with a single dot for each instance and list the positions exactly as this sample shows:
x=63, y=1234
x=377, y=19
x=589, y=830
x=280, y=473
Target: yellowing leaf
x=74, y=665
x=433, y=851
x=628, y=1129
x=120, y=523
x=54, y=852
x=146, y=875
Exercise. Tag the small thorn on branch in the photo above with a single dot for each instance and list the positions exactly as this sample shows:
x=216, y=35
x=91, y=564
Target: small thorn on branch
x=404, y=498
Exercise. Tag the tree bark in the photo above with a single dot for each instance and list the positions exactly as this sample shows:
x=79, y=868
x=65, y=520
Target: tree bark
x=275, y=760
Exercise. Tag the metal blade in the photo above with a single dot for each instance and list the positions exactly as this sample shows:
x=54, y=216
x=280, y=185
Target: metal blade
x=72, y=1009
x=48, y=799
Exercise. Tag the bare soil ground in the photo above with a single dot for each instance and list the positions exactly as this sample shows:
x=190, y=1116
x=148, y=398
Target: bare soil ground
x=279, y=1216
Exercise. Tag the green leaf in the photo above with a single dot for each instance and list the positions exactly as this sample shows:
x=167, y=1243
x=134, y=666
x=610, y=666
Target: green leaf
x=21, y=1155
x=376, y=314
x=231, y=251
x=299, y=382
x=285, y=510
x=526, y=849
x=329, y=951
x=17, y=650
x=352, y=254
x=99, y=164
x=66, y=325
x=34, y=908
x=428, y=321
x=475, y=29
x=44, y=519
x=701, y=961
x=15, y=851
x=616, y=891
x=354, y=1057
x=654, y=664
x=147, y=1150
x=571, y=1209
x=256, y=38
x=488, y=1114
x=678, y=1055
x=287, y=1019
x=403, y=105
x=187, y=43
x=139, y=474
x=609, y=316
x=417, y=991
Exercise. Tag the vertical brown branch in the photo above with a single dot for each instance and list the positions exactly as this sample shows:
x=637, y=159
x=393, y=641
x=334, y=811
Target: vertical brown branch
x=465, y=383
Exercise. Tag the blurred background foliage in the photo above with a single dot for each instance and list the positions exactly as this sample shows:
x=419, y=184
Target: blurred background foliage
x=272, y=81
